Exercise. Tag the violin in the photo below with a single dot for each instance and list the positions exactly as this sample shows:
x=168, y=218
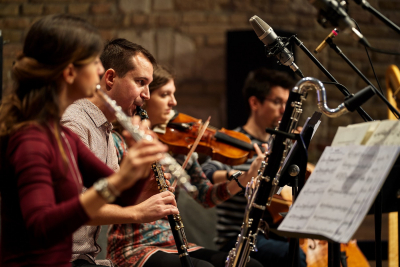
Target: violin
x=227, y=146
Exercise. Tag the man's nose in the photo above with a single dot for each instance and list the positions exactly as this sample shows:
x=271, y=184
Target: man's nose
x=145, y=94
x=282, y=108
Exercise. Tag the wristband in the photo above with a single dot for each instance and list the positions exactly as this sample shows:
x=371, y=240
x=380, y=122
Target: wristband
x=235, y=177
x=102, y=188
x=114, y=190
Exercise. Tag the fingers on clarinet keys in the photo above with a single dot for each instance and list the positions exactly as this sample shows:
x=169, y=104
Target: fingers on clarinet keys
x=106, y=190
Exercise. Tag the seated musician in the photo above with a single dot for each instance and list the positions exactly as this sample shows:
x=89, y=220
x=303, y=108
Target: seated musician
x=152, y=244
x=266, y=93
x=129, y=70
x=44, y=165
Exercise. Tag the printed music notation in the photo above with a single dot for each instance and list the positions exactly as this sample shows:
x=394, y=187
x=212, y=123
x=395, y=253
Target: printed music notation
x=372, y=133
x=387, y=133
x=340, y=191
x=355, y=134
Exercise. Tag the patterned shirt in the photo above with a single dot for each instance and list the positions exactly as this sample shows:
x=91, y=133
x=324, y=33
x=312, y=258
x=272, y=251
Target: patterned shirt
x=89, y=123
x=231, y=212
x=131, y=245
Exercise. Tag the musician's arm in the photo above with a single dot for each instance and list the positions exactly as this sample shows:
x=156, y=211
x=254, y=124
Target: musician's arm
x=216, y=171
x=152, y=209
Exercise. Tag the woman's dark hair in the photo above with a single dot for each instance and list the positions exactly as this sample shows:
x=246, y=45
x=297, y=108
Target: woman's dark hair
x=161, y=76
x=52, y=43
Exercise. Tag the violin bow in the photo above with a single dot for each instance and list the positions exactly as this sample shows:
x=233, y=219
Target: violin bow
x=194, y=146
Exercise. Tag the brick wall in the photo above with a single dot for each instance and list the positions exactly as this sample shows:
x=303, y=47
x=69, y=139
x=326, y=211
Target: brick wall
x=190, y=36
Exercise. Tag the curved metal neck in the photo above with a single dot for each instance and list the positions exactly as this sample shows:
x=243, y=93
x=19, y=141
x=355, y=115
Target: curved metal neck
x=309, y=83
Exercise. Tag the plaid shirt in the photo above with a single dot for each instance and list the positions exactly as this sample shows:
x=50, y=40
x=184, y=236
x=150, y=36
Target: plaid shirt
x=89, y=123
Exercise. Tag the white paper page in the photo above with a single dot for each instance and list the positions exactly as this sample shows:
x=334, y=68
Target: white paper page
x=372, y=127
x=387, y=133
x=340, y=191
x=346, y=136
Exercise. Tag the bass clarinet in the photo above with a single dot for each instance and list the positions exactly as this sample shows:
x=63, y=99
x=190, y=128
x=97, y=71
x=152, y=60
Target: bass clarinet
x=175, y=220
x=260, y=190
x=170, y=166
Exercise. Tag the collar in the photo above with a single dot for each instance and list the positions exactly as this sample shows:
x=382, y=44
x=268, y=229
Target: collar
x=94, y=113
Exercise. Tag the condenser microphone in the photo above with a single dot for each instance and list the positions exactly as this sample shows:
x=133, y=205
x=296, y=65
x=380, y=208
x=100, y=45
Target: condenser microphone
x=337, y=16
x=274, y=43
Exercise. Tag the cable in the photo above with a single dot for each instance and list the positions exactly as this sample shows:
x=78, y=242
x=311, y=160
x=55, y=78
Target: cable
x=370, y=61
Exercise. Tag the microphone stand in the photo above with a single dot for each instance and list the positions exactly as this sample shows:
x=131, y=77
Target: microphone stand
x=344, y=91
x=378, y=200
x=333, y=247
x=364, y=4
x=340, y=53
x=1, y=65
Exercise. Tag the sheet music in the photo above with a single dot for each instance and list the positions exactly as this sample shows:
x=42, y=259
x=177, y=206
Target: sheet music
x=340, y=191
x=349, y=136
x=355, y=134
x=387, y=133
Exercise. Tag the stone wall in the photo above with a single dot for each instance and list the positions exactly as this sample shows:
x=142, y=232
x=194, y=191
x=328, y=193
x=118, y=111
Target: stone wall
x=190, y=35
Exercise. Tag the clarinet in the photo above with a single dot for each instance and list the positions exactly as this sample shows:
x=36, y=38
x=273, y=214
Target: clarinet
x=170, y=165
x=175, y=220
x=260, y=190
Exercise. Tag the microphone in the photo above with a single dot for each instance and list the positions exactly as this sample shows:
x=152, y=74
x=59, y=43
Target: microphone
x=333, y=12
x=322, y=45
x=277, y=48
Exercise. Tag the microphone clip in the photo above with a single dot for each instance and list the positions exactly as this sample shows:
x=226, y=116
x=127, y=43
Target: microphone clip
x=276, y=48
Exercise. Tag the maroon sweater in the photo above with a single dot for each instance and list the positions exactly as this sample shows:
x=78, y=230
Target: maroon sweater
x=40, y=206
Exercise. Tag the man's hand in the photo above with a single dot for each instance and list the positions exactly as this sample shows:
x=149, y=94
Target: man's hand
x=252, y=172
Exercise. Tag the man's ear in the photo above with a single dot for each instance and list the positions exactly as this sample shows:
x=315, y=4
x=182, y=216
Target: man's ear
x=69, y=74
x=109, y=78
x=253, y=103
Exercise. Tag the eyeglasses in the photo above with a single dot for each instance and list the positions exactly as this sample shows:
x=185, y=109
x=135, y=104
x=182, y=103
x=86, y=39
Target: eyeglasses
x=276, y=102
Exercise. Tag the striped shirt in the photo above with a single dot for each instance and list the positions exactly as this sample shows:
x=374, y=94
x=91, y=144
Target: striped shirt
x=89, y=123
x=231, y=212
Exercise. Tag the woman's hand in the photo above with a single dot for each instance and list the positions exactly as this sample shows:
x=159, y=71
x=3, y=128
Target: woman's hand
x=151, y=187
x=154, y=208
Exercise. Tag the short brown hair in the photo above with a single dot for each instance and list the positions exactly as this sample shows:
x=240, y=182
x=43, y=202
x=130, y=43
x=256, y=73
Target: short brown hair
x=118, y=53
x=260, y=81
